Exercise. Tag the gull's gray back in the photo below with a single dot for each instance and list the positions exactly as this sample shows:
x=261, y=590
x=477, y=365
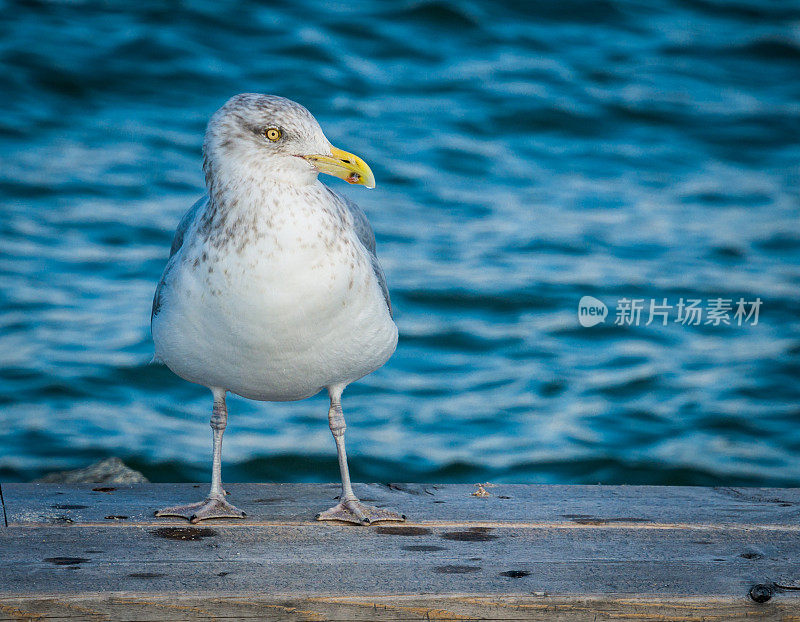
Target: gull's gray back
x=185, y=223
x=367, y=237
x=177, y=241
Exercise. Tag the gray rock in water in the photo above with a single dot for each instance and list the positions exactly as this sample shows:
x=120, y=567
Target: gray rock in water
x=109, y=471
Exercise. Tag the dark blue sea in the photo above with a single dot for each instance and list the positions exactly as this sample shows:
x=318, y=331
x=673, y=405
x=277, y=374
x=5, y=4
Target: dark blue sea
x=527, y=154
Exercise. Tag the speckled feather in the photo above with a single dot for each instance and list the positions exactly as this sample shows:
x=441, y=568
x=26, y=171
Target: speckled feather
x=273, y=288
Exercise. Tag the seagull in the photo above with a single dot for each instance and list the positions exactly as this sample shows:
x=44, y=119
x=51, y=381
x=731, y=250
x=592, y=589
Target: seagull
x=273, y=290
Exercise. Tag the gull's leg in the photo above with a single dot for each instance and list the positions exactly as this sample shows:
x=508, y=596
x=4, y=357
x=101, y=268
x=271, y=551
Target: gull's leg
x=349, y=508
x=214, y=505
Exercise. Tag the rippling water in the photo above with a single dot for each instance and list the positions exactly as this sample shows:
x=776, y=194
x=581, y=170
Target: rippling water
x=526, y=155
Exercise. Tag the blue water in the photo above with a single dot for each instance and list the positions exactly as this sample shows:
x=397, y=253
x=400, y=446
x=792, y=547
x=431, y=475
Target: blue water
x=526, y=155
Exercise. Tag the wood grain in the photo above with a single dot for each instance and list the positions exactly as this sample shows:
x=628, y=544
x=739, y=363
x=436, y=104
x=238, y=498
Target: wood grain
x=508, y=503
x=524, y=552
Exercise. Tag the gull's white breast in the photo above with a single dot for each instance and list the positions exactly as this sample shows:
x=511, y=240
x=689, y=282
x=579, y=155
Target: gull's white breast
x=274, y=302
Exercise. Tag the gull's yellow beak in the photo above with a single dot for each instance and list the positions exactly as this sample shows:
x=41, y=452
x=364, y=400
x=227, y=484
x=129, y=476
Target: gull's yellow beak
x=344, y=165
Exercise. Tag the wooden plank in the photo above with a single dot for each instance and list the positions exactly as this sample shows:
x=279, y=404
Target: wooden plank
x=337, y=559
x=4, y=518
x=508, y=503
x=525, y=552
x=172, y=606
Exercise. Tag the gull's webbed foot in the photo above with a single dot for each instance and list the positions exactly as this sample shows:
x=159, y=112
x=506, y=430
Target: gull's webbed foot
x=353, y=511
x=212, y=507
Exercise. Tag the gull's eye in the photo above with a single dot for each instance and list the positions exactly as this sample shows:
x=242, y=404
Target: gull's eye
x=273, y=133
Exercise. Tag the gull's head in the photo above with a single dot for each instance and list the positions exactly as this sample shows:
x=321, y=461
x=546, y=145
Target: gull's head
x=257, y=138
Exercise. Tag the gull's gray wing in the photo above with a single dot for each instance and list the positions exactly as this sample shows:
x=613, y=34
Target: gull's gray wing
x=185, y=223
x=367, y=237
x=177, y=241
x=376, y=268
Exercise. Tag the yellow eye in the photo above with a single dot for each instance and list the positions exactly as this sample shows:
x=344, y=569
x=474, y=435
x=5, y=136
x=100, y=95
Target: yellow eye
x=273, y=133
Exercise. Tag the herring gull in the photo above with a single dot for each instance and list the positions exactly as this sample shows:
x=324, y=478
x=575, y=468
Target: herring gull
x=273, y=290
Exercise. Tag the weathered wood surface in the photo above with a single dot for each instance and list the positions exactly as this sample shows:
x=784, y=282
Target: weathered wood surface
x=524, y=552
